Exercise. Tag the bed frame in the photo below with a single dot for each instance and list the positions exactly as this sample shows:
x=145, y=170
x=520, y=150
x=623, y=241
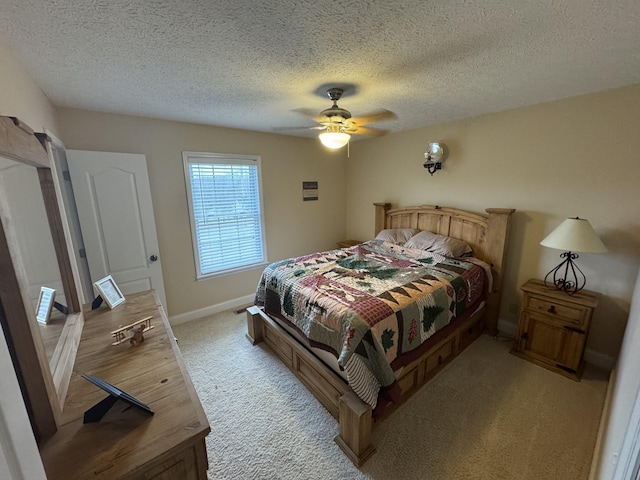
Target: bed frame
x=487, y=235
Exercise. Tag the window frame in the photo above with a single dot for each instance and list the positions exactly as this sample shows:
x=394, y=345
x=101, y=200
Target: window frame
x=188, y=158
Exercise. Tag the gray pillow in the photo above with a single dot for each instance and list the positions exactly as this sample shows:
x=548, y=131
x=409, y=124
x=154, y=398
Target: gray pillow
x=396, y=235
x=433, y=242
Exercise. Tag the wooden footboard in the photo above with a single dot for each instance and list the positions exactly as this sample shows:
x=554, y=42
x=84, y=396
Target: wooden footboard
x=355, y=416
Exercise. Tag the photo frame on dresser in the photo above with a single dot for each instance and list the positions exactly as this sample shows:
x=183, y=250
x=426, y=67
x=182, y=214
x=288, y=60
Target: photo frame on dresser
x=98, y=411
x=45, y=304
x=109, y=291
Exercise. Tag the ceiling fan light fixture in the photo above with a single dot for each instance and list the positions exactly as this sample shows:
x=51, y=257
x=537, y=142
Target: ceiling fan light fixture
x=334, y=140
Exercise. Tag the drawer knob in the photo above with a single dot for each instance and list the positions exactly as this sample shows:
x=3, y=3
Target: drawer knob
x=439, y=359
x=552, y=309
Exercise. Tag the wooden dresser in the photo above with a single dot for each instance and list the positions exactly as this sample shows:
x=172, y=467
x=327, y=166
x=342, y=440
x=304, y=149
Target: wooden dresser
x=133, y=444
x=554, y=326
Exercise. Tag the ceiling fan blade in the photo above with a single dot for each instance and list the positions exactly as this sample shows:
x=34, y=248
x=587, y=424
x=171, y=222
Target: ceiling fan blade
x=284, y=129
x=373, y=117
x=374, y=132
x=287, y=129
x=307, y=112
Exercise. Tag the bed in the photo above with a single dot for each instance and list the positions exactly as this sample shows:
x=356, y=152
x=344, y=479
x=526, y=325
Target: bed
x=363, y=371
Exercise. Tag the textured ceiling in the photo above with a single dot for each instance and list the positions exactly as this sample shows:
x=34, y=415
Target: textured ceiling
x=249, y=64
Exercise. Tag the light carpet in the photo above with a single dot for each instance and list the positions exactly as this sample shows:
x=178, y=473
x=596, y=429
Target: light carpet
x=486, y=415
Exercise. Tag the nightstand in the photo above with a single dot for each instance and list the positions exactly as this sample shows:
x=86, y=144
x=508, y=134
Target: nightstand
x=348, y=243
x=553, y=327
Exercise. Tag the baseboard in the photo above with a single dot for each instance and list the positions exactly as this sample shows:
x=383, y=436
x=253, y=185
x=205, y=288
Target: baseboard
x=599, y=359
x=590, y=356
x=507, y=328
x=210, y=310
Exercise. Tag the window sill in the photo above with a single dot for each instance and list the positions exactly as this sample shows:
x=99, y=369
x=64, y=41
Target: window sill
x=231, y=271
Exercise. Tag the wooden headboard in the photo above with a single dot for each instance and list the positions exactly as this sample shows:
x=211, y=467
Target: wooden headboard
x=487, y=235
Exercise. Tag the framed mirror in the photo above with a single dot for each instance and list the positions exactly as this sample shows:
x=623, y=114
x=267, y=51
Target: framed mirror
x=35, y=252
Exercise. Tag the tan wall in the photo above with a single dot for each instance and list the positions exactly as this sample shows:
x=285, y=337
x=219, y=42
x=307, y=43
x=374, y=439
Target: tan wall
x=293, y=227
x=21, y=97
x=575, y=157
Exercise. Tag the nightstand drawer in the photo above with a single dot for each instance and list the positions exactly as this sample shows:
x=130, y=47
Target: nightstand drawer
x=575, y=315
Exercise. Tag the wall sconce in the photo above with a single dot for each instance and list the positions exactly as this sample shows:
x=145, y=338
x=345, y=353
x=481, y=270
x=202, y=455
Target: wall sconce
x=433, y=157
x=572, y=235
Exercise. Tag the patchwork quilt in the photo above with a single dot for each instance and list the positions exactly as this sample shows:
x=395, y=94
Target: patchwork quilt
x=371, y=305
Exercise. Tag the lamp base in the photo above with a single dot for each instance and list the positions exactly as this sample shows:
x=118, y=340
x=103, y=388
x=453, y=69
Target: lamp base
x=573, y=280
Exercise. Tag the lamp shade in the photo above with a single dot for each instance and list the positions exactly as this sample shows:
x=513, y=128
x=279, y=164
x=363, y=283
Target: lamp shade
x=334, y=139
x=574, y=235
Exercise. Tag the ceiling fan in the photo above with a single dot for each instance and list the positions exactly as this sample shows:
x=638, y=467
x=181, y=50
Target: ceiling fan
x=338, y=125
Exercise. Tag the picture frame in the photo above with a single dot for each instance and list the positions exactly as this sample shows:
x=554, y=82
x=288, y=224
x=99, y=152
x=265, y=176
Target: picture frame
x=97, y=412
x=45, y=304
x=109, y=291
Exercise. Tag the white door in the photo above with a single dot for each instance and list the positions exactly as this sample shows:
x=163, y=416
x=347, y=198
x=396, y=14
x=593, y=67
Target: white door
x=113, y=198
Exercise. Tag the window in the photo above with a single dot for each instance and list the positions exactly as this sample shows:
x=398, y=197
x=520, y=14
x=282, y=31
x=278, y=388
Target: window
x=225, y=209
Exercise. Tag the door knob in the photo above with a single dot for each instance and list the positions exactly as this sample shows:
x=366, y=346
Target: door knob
x=153, y=258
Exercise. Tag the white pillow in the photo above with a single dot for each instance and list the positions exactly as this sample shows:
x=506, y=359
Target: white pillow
x=396, y=235
x=433, y=242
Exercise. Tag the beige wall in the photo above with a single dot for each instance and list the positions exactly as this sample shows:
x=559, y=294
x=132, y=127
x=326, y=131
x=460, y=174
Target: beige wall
x=21, y=97
x=293, y=227
x=575, y=157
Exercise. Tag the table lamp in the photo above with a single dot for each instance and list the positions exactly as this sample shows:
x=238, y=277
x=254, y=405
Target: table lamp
x=572, y=235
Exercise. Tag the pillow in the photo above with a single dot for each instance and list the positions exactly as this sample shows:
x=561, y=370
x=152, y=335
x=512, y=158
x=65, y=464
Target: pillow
x=396, y=235
x=433, y=242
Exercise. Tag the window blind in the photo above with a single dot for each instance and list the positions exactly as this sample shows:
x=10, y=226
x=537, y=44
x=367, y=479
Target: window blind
x=226, y=213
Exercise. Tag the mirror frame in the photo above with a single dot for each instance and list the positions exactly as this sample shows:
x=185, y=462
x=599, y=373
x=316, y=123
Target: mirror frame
x=44, y=384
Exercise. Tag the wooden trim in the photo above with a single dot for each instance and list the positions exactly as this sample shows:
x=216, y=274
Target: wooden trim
x=18, y=142
x=381, y=212
x=356, y=429
x=51, y=142
x=59, y=240
x=16, y=316
x=254, y=326
x=43, y=389
x=64, y=356
x=495, y=253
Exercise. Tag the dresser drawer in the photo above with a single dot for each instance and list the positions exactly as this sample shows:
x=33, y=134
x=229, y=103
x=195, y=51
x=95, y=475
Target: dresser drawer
x=440, y=356
x=410, y=380
x=573, y=314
